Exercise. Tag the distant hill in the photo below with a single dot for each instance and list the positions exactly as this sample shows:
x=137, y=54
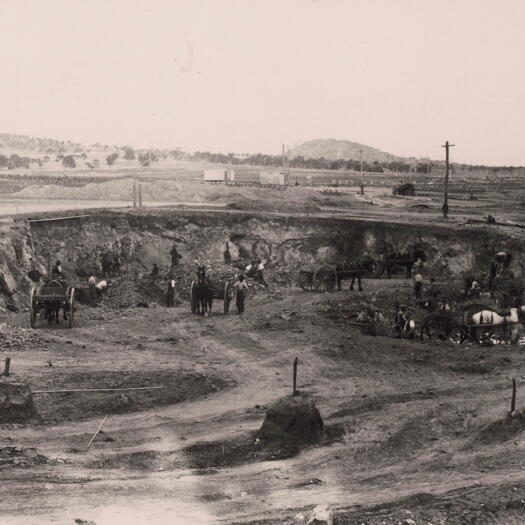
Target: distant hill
x=333, y=149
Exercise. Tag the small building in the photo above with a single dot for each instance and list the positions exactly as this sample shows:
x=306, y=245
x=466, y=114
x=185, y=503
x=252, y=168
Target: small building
x=274, y=178
x=219, y=175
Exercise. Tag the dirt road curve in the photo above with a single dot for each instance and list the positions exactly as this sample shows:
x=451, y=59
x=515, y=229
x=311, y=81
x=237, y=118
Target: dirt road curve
x=401, y=419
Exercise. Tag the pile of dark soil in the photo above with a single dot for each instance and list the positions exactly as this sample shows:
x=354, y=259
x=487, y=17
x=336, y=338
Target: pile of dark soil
x=292, y=420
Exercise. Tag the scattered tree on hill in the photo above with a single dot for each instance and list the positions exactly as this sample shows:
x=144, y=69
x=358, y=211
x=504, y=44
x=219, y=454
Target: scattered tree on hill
x=69, y=161
x=4, y=161
x=129, y=154
x=110, y=159
x=144, y=159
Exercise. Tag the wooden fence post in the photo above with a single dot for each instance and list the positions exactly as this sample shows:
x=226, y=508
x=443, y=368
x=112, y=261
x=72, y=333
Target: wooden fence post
x=513, y=401
x=295, y=376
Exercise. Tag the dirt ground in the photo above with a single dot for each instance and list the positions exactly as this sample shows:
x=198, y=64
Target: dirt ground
x=413, y=430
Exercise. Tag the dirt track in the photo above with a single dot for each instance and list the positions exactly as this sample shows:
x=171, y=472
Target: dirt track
x=402, y=419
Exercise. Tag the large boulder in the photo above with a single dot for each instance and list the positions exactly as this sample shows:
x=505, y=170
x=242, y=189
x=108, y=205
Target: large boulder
x=16, y=401
x=292, y=420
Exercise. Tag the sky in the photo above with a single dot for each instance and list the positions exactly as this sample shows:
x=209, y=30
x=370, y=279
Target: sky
x=248, y=75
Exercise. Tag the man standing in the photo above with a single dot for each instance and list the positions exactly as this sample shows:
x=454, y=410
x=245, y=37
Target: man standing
x=57, y=271
x=418, y=286
x=241, y=289
x=175, y=255
x=170, y=298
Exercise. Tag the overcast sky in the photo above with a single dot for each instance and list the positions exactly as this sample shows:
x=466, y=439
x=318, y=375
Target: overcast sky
x=247, y=76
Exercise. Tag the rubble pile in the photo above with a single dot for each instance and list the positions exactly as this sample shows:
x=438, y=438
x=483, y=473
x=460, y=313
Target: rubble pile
x=14, y=338
x=22, y=457
x=129, y=292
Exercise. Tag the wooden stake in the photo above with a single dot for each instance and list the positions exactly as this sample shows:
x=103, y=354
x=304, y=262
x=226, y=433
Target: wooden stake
x=96, y=433
x=7, y=366
x=295, y=376
x=513, y=401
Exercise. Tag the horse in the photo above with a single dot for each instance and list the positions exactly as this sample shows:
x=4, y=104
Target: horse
x=405, y=259
x=514, y=318
x=110, y=262
x=355, y=270
x=52, y=308
x=203, y=292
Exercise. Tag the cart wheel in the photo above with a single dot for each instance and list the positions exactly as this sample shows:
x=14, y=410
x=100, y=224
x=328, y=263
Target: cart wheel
x=193, y=298
x=71, y=307
x=325, y=278
x=442, y=328
x=374, y=268
x=306, y=281
x=33, y=308
x=227, y=297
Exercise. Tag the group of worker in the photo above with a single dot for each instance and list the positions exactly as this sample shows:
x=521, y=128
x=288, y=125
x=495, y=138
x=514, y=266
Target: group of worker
x=240, y=285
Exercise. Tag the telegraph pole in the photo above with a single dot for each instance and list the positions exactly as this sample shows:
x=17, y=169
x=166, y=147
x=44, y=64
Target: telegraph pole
x=447, y=146
x=361, y=163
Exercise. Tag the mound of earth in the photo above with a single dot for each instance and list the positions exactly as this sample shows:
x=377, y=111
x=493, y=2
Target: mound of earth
x=502, y=429
x=16, y=401
x=293, y=419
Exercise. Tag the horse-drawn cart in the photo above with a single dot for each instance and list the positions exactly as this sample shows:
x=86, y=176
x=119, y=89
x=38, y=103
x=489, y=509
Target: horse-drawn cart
x=476, y=322
x=326, y=277
x=220, y=290
x=49, y=299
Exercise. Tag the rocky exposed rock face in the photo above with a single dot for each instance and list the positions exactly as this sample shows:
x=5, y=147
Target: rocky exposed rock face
x=287, y=242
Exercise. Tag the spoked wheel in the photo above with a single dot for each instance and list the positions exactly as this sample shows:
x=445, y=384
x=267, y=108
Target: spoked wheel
x=33, y=308
x=71, y=307
x=374, y=268
x=325, y=278
x=306, y=281
x=227, y=296
x=442, y=328
x=193, y=298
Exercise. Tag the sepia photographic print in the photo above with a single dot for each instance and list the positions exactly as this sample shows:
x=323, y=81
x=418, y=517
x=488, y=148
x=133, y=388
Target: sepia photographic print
x=262, y=262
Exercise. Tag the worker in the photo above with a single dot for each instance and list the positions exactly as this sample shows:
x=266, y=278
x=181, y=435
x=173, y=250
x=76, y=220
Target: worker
x=432, y=288
x=241, y=289
x=400, y=319
x=170, y=296
x=418, y=286
x=57, y=270
x=503, y=260
x=101, y=286
x=490, y=219
x=155, y=270
x=92, y=281
x=259, y=276
x=475, y=289
x=175, y=255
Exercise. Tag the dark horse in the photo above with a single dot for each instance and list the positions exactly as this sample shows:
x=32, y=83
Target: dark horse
x=110, y=262
x=355, y=270
x=405, y=260
x=203, y=292
x=52, y=308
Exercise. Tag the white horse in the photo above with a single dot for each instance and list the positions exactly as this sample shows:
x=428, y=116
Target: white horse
x=489, y=317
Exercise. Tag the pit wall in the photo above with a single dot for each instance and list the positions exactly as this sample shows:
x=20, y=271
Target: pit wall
x=147, y=237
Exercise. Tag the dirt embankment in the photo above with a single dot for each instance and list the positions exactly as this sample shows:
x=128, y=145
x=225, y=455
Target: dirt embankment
x=223, y=239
